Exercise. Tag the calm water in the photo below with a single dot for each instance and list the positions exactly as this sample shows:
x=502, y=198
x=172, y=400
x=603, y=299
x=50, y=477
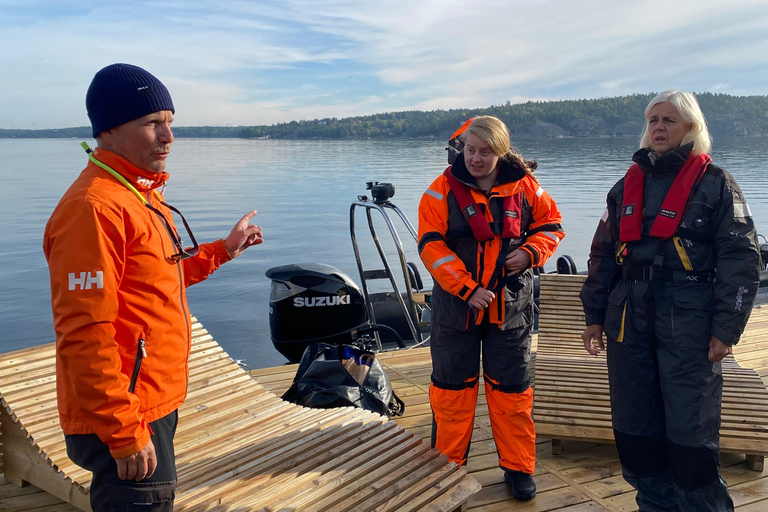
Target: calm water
x=302, y=190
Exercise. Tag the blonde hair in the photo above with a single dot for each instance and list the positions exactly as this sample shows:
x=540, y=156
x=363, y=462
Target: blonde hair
x=494, y=133
x=690, y=112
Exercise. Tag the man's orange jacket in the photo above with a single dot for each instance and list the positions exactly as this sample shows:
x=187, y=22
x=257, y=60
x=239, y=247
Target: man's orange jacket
x=458, y=263
x=123, y=331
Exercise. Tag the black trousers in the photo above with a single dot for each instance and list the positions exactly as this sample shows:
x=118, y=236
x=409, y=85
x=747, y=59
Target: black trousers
x=110, y=494
x=666, y=394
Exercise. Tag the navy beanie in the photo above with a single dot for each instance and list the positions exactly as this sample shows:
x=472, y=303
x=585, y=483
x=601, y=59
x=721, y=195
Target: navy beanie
x=120, y=93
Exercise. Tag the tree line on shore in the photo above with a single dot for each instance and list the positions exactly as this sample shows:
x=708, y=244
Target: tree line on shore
x=621, y=116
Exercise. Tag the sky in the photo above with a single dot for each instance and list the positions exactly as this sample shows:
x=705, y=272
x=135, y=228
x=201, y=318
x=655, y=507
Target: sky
x=231, y=63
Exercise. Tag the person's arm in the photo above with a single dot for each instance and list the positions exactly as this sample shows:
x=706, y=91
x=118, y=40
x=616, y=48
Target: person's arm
x=442, y=263
x=544, y=233
x=212, y=255
x=737, y=263
x=85, y=249
x=602, y=267
x=602, y=272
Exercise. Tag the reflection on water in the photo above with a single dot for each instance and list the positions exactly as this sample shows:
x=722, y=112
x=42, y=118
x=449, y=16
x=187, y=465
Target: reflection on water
x=302, y=190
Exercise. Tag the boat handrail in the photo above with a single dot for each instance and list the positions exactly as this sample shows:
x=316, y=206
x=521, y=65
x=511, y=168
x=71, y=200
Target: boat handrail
x=408, y=309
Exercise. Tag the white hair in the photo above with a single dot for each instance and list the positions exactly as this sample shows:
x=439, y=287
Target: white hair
x=690, y=112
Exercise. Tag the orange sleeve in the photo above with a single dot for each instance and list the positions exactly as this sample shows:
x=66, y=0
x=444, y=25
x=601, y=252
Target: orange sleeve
x=209, y=257
x=545, y=231
x=85, y=248
x=444, y=265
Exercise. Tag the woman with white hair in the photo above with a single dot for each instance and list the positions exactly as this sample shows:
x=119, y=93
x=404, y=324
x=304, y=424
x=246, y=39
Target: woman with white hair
x=673, y=272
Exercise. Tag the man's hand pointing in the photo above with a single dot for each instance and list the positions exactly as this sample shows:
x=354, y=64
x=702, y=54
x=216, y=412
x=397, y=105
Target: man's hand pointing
x=243, y=235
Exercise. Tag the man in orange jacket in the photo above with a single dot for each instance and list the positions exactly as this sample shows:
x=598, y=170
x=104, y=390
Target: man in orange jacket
x=118, y=273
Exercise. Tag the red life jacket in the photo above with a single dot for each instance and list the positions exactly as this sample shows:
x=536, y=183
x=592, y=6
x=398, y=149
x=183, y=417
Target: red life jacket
x=672, y=208
x=480, y=228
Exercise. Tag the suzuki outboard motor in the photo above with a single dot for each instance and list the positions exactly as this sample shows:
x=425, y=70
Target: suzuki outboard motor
x=313, y=302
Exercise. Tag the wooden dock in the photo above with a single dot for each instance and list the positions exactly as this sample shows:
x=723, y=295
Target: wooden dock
x=585, y=477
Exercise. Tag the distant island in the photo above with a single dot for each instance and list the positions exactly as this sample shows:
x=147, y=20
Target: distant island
x=727, y=116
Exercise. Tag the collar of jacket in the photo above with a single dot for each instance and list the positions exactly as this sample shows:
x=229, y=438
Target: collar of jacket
x=509, y=172
x=139, y=178
x=668, y=162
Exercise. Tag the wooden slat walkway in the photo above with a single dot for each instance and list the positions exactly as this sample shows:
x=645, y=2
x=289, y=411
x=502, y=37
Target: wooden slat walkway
x=586, y=477
x=238, y=446
x=752, y=349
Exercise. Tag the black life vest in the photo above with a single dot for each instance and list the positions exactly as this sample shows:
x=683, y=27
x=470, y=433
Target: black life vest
x=674, y=206
x=469, y=207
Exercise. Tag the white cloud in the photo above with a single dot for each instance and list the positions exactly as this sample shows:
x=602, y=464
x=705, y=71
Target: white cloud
x=256, y=62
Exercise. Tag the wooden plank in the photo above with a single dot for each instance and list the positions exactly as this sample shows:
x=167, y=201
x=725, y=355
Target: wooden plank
x=23, y=464
x=417, y=465
x=254, y=475
x=393, y=497
x=351, y=488
x=347, y=459
x=437, y=490
x=456, y=499
x=545, y=501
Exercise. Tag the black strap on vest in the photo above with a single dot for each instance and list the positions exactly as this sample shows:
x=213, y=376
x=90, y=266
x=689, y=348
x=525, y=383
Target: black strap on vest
x=497, y=282
x=668, y=275
x=493, y=284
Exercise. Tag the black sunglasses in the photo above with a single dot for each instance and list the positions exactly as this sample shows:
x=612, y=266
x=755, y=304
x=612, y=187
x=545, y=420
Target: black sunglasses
x=182, y=252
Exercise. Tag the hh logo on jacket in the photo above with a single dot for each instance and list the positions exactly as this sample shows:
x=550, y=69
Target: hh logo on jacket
x=86, y=280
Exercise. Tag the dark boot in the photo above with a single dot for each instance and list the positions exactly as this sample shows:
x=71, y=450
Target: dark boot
x=521, y=484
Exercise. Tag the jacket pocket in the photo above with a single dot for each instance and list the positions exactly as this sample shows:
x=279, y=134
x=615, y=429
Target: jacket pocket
x=141, y=353
x=448, y=310
x=698, y=220
x=518, y=301
x=691, y=316
x=616, y=313
x=696, y=240
x=519, y=286
x=145, y=496
x=693, y=296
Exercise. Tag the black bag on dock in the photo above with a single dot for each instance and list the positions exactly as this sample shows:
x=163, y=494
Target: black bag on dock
x=341, y=376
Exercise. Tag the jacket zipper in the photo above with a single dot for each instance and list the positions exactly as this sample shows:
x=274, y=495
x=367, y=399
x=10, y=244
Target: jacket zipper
x=141, y=353
x=186, y=319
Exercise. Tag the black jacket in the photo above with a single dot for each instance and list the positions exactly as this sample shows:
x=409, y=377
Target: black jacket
x=722, y=239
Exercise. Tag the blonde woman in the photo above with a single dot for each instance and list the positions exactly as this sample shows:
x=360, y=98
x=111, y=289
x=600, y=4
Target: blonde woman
x=483, y=225
x=673, y=272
